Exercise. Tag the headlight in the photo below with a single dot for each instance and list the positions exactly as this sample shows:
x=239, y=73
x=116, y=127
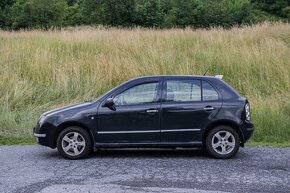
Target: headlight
x=247, y=109
x=41, y=120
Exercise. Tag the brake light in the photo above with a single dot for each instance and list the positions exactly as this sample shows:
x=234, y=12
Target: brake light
x=247, y=110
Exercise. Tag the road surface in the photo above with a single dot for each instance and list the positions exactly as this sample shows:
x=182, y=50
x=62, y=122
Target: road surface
x=33, y=168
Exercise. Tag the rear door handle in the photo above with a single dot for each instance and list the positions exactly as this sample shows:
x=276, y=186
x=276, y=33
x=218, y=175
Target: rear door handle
x=208, y=108
x=152, y=111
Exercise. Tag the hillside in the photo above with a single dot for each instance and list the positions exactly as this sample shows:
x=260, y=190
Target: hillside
x=41, y=70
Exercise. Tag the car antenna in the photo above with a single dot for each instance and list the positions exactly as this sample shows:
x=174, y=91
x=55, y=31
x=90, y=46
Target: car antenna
x=212, y=65
x=206, y=71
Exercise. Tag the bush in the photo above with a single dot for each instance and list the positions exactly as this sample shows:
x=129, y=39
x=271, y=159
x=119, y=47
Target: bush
x=38, y=14
x=225, y=13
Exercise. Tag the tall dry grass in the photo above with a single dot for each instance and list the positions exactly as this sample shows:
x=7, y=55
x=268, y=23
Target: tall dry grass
x=42, y=70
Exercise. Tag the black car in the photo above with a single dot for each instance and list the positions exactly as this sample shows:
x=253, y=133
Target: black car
x=153, y=111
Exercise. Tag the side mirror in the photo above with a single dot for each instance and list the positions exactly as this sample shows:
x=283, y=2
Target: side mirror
x=109, y=102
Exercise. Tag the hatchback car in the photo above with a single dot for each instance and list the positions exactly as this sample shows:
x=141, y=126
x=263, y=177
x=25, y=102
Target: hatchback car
x=155, y=111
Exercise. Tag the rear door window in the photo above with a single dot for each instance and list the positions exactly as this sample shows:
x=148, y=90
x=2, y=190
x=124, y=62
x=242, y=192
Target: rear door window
x=183, y=90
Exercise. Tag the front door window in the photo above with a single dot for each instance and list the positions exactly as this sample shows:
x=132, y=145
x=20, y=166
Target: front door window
x=140, y=94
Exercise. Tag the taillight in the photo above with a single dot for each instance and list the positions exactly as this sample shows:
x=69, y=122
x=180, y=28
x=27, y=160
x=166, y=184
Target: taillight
x=247, y=110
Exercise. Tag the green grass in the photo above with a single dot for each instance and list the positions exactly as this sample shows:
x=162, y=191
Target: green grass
x=17, y=141
x=43, y=70
x=268, y=144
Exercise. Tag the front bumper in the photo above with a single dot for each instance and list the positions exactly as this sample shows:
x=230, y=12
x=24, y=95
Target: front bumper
x=39, y=135
x=44, y=135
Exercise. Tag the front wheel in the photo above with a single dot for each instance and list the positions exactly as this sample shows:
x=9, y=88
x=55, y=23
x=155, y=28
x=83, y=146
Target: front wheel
x=222, y=142
x=74, y=143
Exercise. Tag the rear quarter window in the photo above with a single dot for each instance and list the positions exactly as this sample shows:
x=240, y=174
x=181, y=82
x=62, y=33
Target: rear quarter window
x=208, y=92
x=226, y=91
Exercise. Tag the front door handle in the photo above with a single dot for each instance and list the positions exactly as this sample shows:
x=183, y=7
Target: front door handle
x=208, y=108
x=152, y=111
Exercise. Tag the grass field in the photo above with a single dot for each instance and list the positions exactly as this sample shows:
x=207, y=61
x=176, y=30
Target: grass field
x=44, y=70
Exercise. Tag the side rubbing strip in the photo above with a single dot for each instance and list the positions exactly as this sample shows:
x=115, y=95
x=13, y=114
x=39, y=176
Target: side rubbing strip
x=179, y=130
x=121, y=132
x=147, y=131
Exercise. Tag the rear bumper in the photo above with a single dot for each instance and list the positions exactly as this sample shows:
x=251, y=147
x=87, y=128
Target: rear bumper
x=247, y=129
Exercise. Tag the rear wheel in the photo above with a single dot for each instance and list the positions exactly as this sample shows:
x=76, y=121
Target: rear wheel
x=74, y=143
x=222, y=142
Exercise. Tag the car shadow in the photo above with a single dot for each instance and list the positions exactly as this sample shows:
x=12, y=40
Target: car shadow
x=149, y=153
x=196, y=153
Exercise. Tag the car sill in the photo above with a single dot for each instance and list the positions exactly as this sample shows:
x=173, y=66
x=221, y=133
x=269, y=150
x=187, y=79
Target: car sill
x=149, y=144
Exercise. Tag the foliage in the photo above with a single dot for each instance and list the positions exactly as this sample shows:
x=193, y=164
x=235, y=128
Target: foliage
x=148, y=14
x=37, y=14
x=18, y=14
x=109, y=12
x=74, y=15
x=271, y=9
x=5, y=6
x=222, y=13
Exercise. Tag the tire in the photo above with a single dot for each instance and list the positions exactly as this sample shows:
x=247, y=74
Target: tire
x=222, y=142
x=74, y=143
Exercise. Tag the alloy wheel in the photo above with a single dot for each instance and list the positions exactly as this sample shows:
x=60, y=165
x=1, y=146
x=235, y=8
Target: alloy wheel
x=73, y=143
x=223, y=142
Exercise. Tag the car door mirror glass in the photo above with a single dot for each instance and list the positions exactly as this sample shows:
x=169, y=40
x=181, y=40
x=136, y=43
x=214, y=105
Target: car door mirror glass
x=109, y=102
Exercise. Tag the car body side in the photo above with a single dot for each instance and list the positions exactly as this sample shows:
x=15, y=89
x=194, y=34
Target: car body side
x=87, y=116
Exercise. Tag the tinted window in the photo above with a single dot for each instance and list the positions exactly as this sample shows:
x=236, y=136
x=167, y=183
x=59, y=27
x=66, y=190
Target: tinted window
x=226, y=90
x=208, y=92
x=183, y=90
x=144, y=93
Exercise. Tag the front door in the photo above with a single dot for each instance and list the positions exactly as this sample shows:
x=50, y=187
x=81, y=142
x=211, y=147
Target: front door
x=189, y=105
x=135, y=117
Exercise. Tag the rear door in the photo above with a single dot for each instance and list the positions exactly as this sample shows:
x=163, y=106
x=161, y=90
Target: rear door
x=188, y=105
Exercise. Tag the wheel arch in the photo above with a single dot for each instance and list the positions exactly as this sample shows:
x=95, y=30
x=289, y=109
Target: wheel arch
x=229, y=123
x=65, y=125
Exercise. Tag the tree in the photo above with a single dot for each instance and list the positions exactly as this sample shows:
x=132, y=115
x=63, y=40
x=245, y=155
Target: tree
x=225, y=13
x=17, y=14
x=120, y=12
x=5, y=3
x=37, y=13
x=93, y=11
x=48, y=13
x=184, y=12
x=270, y=9
x=5, y=6
x=2, y=18
x=167, y=10
x=75, y=15
x=20, y=15
x=109, y=12
x=286, y=12
x=149, y=14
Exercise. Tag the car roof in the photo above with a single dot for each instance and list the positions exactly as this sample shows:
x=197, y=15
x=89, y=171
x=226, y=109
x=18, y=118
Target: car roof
x=175, y=76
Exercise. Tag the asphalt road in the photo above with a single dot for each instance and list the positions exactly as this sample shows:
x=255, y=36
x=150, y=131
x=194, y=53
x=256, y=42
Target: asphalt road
x=40, y=169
